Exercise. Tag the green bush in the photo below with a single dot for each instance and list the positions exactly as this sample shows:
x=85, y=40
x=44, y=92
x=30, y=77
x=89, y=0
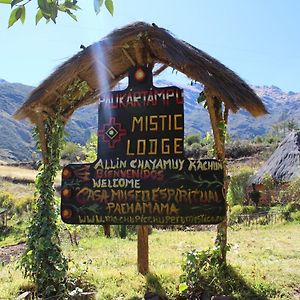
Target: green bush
x=292, y=206
x=6, y=200
x=199, y=268
x=15, y=205
x=239, y=181
x=291, y=193
x=72, y=152
x=23, y=204
x=295, y=216
x=193, y=138
x=205, y=276
x=236, y=210
x=90, y=149
x=240, y=149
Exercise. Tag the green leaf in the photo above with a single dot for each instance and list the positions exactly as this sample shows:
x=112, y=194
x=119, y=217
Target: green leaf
x=222, y=126
x=38, y=16
x=72, y=15
x=182, y=287
x=14, y=16
x=5, y=1
x=62, y=8
x=23, y=15
x=201, y=97
x=71, y=5
x=110, y=6
x=54, y=11
x=97, y=5
x=14, y=2
x=43, y=4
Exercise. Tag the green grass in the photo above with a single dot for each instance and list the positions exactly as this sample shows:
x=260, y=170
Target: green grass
x=266, y=256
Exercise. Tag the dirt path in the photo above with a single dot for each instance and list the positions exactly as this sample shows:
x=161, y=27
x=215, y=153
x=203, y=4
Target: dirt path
x=9, y=253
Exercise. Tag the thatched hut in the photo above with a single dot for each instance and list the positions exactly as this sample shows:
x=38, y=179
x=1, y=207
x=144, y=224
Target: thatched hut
x=282, y=167
x=284, y=164
x=138, y=43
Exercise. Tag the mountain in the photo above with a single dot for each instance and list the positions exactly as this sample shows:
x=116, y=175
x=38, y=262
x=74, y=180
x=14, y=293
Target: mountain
x=15, y=137
x=16, y=142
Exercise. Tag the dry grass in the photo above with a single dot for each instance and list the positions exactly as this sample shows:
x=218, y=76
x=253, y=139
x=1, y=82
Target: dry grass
x=19, y=175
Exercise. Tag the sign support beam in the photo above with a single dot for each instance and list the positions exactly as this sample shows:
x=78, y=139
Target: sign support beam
x=143, y=249
x=215, y=113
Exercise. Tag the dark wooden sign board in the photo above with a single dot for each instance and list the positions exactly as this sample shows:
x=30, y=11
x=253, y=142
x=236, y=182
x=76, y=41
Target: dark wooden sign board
x=141, y=175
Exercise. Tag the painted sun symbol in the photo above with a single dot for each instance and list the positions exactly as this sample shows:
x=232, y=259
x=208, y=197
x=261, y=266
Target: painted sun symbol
x=139, y=75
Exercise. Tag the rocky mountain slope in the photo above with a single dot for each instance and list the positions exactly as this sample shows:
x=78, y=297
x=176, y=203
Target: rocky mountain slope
x=16, y=142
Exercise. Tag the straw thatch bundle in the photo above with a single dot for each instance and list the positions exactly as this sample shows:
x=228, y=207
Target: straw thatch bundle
x=284, y=164
x=138, y=43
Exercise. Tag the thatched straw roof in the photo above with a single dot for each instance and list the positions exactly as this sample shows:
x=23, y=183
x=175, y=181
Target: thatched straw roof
x=284, y=164
x=138, y=43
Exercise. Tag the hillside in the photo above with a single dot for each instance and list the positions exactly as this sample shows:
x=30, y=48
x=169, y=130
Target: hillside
x=16, y=142
x=15, y=137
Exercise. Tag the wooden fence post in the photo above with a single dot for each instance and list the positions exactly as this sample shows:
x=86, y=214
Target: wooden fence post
x=142, y=249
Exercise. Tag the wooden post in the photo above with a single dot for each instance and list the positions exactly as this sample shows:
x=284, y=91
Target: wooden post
x=43, y=142
x=142, y=230
x=216, y=117
x=143, y=250
x=106, y=228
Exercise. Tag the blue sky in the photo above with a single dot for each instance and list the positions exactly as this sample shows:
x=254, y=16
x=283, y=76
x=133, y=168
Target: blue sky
x=258, y=39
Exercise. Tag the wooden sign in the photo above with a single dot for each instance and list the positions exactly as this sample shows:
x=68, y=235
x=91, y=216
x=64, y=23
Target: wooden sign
x=141, y=175
x=142, y=121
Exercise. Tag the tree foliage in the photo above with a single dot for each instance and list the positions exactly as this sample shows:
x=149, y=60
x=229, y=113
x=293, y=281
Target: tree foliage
x=49, y=9
x=90, y=149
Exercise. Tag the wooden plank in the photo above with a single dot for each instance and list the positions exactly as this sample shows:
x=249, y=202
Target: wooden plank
x=24, y=296
x=129, y=57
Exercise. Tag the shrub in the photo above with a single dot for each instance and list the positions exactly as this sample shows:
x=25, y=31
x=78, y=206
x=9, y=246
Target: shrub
x=291, y=193
x=90, y=149
x=205, y=276
x=72, y=152
x=193, y=138
x=195, y=151
x=237, y=188
x=296, y=216
x=292, y=206
x=268, y=182
x=6, y=200
x=239, y=210
x=238, y=149
x=199, y=268
x=23, y=204
x=15, y=205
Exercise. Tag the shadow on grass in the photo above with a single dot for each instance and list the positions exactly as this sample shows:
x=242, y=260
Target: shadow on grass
x=154, y=289
x=229, y=282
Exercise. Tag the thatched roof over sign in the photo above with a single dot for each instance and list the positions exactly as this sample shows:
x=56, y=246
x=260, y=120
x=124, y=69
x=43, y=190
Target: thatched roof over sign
x=284, y=164
x=139, y=43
